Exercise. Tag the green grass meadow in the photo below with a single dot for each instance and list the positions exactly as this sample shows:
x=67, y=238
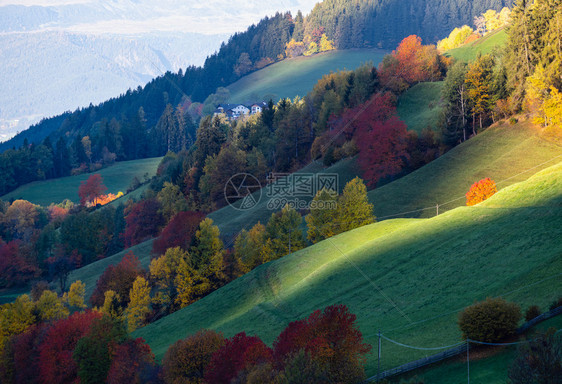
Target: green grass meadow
x=296, y=76
x=484, y=45
x=407, y=277
x=117, y=177
x=420, y=106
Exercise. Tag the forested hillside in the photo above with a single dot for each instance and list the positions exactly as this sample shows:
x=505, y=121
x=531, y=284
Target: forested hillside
x=343, y=24
x=383, y=23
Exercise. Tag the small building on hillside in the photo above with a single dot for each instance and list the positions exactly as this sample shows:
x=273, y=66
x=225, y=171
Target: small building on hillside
x=235, y=111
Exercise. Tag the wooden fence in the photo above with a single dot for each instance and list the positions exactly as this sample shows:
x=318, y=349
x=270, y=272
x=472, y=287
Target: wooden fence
x=454, y=351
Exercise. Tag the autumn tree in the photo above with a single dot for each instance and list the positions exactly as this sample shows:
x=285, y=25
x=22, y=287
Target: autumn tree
x=50, y=307
x=94, y=351
x=480, y=191
x=163, y=273
x=251, y=247
x=322, y=221
x=380, y=136
x=20, y=220
x=186, y=360
x=55, y=351
x=243, y=65
x=143, y=221
x=24, y=357
x=455, y=39
x=294, y=48
x=91, y=189
x=112, y=305
x=179, y=232
x=301, y=367
x=490, y=321
x=130, y=363
x=15, y=268
x=171, y=200
x=239, y=353
x=15, y=318
x=139, y=304
x=206, y=254
x=409, y=64
x=331, y=338
x=479, y=82
x=118, y=278
x=74, y=298
x=285, y=233
x=539, y=361
x=354, y=209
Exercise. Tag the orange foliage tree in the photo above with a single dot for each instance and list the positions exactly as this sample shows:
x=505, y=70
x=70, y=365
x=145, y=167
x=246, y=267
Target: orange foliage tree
x=411, y=63
x=480, y=191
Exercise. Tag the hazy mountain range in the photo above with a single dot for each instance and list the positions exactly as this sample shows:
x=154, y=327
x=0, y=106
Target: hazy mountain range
x=61, y=55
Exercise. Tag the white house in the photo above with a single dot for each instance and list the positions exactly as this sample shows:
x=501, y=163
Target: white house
x=234, y=111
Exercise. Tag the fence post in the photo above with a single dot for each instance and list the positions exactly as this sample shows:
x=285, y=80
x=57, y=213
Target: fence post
x=468, y=358
x=379, y=358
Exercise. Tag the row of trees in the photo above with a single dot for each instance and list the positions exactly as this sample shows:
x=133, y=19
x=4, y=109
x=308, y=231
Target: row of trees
x=93, y=347
x=325, y=347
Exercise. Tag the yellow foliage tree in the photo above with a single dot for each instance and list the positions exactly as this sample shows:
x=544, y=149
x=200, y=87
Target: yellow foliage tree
x=552, y=108
x=294, y=48
x=492, y=20
x=312, y=49
x=456, y=38
x=15, y=318
x=74, y=298
x=185, y=282
x=139, y=304
x=112, y=305
x=163, y=271
x=50, y=307
x=325, y=44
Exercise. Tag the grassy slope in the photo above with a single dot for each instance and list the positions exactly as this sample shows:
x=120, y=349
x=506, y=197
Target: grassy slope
x=430, y=268
x=501, y=152
x=482, y=46
x=297, y=76
x=419, y=107
x=117, y=178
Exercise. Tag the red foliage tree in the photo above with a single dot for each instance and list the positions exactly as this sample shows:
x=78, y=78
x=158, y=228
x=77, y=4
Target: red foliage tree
x=55, y=351
x=91, y=189
x=178, y=233
x=130, y=359
x=480, y=191
x=330, y=337
x=186, y=360
x=118, y=278
x=239, y=353
x=380, y=136
x=143, y=221
x=14, y=268
x=26, y=355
